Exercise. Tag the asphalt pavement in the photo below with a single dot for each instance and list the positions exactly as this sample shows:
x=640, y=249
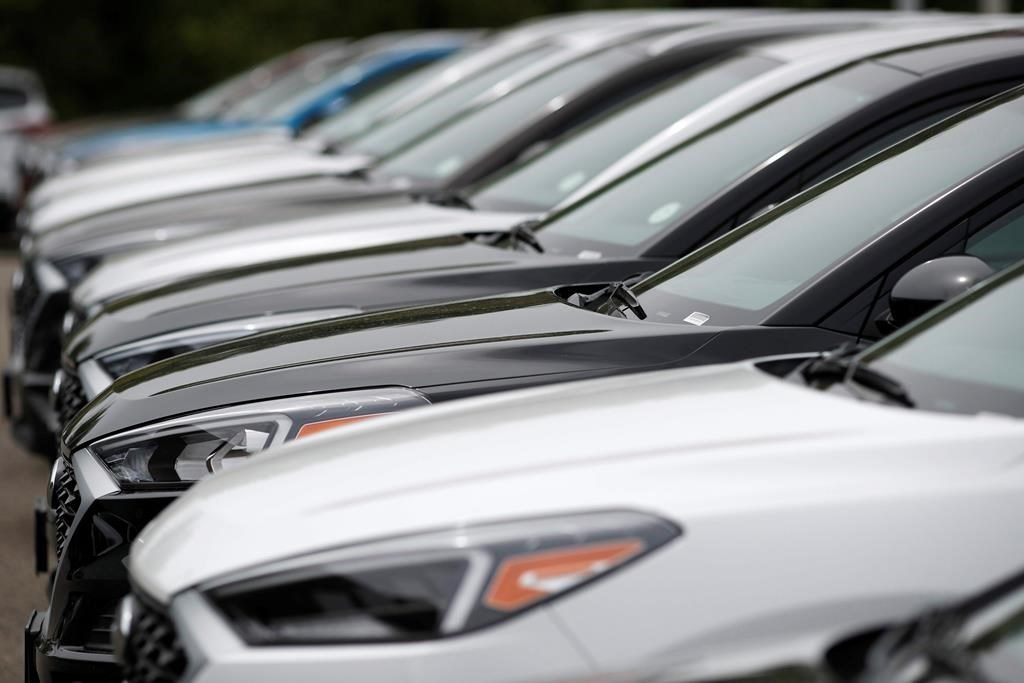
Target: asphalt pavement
x=22, y=478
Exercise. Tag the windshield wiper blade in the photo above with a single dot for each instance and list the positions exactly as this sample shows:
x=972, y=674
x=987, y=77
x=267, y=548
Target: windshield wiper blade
x=450, y=199
x=842, y=365
x=615, y=292
x=521, y=233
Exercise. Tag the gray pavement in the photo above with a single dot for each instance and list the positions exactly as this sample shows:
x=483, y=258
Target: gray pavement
x=22, y=478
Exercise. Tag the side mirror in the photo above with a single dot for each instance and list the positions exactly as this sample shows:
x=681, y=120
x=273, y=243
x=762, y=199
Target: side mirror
x=924, y=287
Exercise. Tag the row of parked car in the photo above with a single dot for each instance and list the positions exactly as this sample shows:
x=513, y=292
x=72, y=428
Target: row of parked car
x=723, y=306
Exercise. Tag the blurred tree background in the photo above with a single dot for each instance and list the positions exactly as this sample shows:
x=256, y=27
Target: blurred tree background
x=100, y=56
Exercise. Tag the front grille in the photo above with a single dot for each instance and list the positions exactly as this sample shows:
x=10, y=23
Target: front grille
x=153, y=652
x=70, y=399
x=26, y=297
x=68, y=501
x=99, y=636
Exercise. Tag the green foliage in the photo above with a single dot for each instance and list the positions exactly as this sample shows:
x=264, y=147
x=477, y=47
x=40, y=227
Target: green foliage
x=113, y=55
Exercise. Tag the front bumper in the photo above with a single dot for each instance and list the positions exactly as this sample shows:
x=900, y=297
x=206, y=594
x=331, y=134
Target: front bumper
x=203, y=648
x=39, y=301
x=94, y=523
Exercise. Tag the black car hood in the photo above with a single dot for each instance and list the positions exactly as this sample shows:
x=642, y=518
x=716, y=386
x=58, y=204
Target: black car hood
x=445, y=351
x=401, y=274
x=199, y=214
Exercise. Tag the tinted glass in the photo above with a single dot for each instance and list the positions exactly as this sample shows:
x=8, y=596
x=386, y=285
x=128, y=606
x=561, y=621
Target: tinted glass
x=392, y=136
x=965, y=358
x=297, y=82
x=1000, y=647
x=659, y=197
x=447, y=151
x=744, y=276
x=543, y=182
x=357, y=118
x=1001, y=243
x=11, y=98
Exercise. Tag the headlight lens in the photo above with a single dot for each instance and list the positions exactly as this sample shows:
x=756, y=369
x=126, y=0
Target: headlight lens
x=130, y=357
x=189, y=448
x=75, y=269
x=434, y=585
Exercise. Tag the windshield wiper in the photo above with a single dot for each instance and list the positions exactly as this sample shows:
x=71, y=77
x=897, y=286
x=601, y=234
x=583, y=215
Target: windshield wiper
x=933, y=637
x=450, y=199
x=616, y=292
x=842, y=365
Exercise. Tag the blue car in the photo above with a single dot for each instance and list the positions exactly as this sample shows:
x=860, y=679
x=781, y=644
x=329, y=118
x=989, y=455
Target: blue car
x=317, y=90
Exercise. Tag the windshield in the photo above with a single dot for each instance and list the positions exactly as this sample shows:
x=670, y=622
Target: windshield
x=211, y=101
x=548, y=179
x=999, y=643
x=748, y=274
x=967, y=357
x=392, y=136
x=357, y=118
x=660, y=196
x=448, y=150
x=296, y=82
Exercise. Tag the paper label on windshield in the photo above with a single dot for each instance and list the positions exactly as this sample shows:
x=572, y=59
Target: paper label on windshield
x=588, y=255
x=697, y=318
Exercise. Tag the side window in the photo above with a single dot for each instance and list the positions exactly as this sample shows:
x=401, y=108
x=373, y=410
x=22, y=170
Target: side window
x=11, y=98
x=886, y=140
x=1000, y=243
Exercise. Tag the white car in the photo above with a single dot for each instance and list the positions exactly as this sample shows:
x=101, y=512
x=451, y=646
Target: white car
x=593, y=527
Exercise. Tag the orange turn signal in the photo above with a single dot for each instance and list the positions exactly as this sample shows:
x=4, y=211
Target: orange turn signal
x=311, y=428
x=525, y=579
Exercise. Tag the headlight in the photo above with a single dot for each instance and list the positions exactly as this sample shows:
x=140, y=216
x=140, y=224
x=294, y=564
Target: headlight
x=189, y=448
x=434, y=585
x=75, y=269
x=130, y=357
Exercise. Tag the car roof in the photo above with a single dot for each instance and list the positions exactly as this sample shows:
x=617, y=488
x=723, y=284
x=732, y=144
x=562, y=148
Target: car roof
x=12, y=76
x=928, y=60
x=754, y=26
x=820, y=56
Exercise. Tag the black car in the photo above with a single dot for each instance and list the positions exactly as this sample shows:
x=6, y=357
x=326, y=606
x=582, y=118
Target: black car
x=810, y=274
x=636, y=226
x=61, y=257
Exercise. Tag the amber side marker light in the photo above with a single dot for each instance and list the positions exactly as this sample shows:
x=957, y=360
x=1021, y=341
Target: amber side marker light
x=311, y=428
x=526, y=579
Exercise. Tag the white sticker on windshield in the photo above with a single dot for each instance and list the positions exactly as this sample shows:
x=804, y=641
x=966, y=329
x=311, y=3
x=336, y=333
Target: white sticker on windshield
x=589, y=255
x=663, y=213
x=697, y=318
x=448, y=166
x=571, y=182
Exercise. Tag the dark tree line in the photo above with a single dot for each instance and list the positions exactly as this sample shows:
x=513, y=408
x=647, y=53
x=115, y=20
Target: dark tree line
x=111, y=55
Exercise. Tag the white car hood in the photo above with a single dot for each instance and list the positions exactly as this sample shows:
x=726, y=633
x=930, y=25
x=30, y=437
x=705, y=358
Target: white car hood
x=348, y=229
x=690, y=444
x=166, y=164
x=288, y=164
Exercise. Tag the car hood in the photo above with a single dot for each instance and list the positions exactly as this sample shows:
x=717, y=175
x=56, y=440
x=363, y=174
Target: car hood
x=359, y=225
x=479, y=345
x=670, y=443
x=193, y=215
x=163, y=164
x=249, y=171
x=139, y=137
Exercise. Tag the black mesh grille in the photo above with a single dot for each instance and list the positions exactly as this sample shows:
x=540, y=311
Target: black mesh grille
x=25, y=299
x=98, y=638
x=153, y=653
x=68, y=500
x=70, y=399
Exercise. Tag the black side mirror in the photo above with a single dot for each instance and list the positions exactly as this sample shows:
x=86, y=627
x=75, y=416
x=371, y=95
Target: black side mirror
x=924, y=287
